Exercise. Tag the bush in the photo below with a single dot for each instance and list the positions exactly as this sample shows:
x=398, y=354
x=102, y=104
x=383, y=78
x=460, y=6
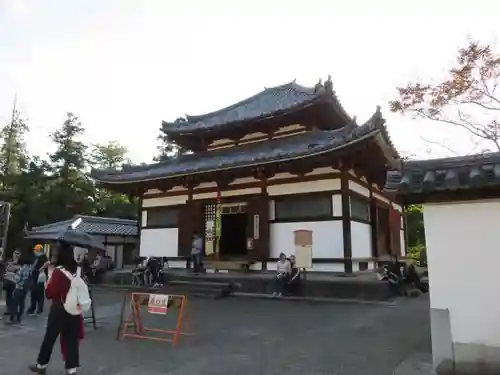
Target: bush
x=414, y=252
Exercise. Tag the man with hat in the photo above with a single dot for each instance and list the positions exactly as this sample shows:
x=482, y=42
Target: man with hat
x=39, y=276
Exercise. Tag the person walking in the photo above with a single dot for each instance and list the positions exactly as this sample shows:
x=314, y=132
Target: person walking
x=60, y=322
x=11, y=267
x=197, y=253
x=21, y=280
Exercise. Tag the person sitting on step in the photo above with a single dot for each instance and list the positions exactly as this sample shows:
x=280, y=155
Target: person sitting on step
x=294, y=282
x=284, y=270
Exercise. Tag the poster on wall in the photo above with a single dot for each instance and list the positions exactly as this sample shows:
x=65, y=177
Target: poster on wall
x=303, y=248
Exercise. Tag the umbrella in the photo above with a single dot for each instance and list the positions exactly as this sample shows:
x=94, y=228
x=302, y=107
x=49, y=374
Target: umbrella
x=70, y=237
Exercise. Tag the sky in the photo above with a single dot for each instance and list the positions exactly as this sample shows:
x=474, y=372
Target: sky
x=122, y=66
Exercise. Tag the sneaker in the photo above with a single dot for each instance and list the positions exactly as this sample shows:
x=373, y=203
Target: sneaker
x=32, y=314
x=275, y=294
x=279, y=294
x=37, y=369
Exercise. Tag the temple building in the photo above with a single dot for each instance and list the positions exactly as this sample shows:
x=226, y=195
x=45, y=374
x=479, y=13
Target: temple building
x=285, y=159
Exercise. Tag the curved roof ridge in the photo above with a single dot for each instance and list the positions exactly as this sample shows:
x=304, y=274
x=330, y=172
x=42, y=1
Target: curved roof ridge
x=454, y=161
x=114, y=220
x=292, y=85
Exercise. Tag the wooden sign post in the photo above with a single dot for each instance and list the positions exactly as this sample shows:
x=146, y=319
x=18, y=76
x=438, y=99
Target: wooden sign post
x=303, y=240
x=91, y=318
x=160, y=304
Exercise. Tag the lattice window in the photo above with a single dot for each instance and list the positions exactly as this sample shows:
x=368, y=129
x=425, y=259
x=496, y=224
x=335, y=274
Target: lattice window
x=210, y=222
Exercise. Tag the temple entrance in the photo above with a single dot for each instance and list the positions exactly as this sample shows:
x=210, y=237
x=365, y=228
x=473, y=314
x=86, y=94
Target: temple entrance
x=233, y=234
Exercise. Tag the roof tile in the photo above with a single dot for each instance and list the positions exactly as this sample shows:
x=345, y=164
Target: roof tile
x=267, y=102
x=302, y=145
x=447, y=174
x=94, y=225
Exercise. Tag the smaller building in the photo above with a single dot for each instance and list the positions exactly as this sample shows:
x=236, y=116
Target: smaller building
x=119, y=236
x=461, y=206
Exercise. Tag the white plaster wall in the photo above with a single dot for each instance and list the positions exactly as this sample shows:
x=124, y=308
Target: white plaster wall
x=304, y=187
x=317, y=267
x=380, y=198
x=177, y=263
x=354, y=186
x=248, y=191
x=327, y=238
x=402, y=240
x=361, y=240
x=463, y=256
x=164, y=201
x=337, y=205
x=161, y=242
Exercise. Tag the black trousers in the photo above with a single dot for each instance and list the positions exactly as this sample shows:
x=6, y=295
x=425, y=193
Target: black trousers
x=16, y=306
x=9, y=291
x=60, y=322
x=37, y=295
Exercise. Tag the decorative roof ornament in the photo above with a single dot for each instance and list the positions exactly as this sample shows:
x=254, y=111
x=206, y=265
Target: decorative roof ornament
x=318, y=86
x=329, y=84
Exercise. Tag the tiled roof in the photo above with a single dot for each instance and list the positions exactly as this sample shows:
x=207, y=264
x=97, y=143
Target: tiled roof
x=449, y=174
x=298, y=146
x=269, y=102
x=93, y=225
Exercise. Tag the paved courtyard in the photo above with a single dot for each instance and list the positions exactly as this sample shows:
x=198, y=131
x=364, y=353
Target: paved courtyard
x=243, y=336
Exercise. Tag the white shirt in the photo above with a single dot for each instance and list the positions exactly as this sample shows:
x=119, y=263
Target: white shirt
x=284, y=267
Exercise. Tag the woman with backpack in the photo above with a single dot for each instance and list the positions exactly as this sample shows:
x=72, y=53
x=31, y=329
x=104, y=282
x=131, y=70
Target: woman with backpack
x=63, y=319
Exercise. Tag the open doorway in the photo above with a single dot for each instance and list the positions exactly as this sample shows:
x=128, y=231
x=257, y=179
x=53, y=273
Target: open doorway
x=233, y=235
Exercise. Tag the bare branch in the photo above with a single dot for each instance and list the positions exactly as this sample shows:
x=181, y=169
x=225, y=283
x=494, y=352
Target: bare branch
x=467, y=98
x=440, y=145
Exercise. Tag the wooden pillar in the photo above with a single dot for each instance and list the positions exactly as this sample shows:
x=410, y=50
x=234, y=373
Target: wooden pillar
x=140, y=224
x=405, y=228
x=374, y=225
x=346, y=221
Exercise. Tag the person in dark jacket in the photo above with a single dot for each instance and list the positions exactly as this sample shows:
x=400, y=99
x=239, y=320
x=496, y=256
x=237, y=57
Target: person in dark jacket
x=60, y=322
x=39, y=275
x=394, y=276
x=11, y=267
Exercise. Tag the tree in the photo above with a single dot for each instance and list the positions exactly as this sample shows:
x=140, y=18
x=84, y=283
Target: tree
x=109, y=155
x=72, y=191
x=415, y=226
x=13, y=154
x=167, y=149
x=70, y=154
x=467, y=98
x=107, y=203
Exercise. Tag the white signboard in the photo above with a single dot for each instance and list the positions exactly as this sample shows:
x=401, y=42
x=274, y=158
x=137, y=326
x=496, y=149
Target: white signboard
x=303, y=256
x=158, y=304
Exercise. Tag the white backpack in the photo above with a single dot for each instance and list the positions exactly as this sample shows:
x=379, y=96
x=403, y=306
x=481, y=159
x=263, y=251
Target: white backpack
x=78, y=298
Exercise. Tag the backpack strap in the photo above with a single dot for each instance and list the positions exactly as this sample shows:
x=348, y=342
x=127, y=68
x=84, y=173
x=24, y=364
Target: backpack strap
x=66, y=273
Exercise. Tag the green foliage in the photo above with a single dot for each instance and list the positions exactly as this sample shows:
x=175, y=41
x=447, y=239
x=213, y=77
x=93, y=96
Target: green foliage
x=167, y=148
x=415, y=226
x=45, y=191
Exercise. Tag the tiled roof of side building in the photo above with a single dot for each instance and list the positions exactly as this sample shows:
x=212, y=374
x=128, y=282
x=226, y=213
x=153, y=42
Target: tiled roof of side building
x=93, y=225
x=447, y=174
x=266, y=103
x=283, y=149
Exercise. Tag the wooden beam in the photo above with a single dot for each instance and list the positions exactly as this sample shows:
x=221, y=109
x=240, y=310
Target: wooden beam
x=346, y=221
